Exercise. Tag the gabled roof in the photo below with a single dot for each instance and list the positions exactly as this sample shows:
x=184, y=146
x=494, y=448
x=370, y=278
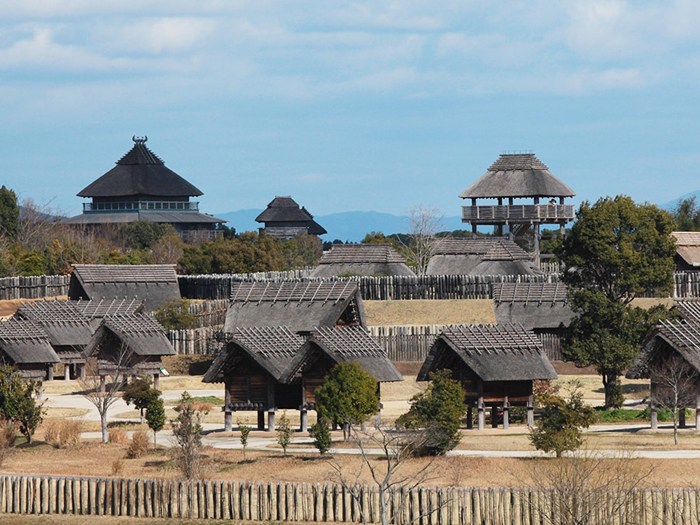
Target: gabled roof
x=140, y=334
x=103, y=307
x=24, y=342
x=273, y=348
x=683, y=337
x=286, y=210
x=532, y=305
x=347, y=344
x=688, y=247
x=517, y=175
x=481, y=256
x=361, y=259
x=153, y=284
x=169, y=217
x=140, y=172
x=301, y=306
x=62, y=322
x=493, y=352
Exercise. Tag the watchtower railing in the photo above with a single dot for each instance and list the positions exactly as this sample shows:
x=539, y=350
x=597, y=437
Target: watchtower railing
x=519, y=213
x=141, y=206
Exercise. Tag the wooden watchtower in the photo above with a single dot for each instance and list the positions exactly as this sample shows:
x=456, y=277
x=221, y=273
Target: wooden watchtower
x=518, y=176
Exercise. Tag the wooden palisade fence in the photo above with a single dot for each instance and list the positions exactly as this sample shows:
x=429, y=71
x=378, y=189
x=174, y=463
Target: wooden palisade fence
x=326, y=502
x=34, y=287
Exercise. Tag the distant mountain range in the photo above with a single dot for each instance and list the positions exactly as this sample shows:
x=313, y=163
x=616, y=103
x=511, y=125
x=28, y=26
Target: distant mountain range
x=354, y=225
x=347, y=226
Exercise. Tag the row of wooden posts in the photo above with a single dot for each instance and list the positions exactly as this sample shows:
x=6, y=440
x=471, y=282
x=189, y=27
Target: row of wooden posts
x=327, y=502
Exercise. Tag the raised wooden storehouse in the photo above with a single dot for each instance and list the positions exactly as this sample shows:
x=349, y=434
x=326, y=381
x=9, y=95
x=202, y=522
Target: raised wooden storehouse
x=141, y=188
x=284, y=219
x=67, y=329
x=26, y=346
x=687, y=256
x=97, y=310
x=327, y=347
x=152, y=284
x=300, y=306
x=541, y=307
x=133, y=343
x=496, y=365
x=361, y=259
x=677, y=343
x=480, y=256
x=253, y=365
x=514, y=177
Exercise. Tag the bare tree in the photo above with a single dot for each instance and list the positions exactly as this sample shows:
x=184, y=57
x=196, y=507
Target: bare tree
x=675, y=386
x=586, y=487
x=103, y=382
x=423, y=225
x=394, y=449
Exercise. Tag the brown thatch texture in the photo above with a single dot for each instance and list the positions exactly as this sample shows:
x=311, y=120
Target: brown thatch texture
x=532, y=305
x=517, y=176
x=361, y=259
x=154, y=284
x=61, y=321
x=682, y=337
x=494, y=256
x=492, y=352
x=273, y=348
x=24, y=342
x=688, y=247
x=137, y=334
x=301, y=306
x=283, y=214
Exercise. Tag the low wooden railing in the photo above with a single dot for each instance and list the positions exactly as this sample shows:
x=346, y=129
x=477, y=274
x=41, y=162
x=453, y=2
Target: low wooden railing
x=519, y=213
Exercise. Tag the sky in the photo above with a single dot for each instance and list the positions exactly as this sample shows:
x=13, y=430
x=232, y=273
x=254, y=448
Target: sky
x=368, y=105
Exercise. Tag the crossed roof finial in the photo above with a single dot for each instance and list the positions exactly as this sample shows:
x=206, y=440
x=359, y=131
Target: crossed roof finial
x=139, y=140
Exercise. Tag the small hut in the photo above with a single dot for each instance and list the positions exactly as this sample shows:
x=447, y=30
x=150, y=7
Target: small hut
x=284, y=219
x=67, y=329
x=687, y=256
x=480, y=256
x=253, y=365
x=326, y=347
x=541, y=307
x=134, y=344
x=669, y=341
x=300, y=306
x=361, y=259
x=496, y=365
x=153, y=284
x=25, y=345
x=518, y=176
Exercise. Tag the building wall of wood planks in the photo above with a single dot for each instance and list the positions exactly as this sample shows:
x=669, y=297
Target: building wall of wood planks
x=326, y=502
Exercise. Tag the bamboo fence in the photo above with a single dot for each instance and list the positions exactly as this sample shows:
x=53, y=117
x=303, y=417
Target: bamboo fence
x=326, y=502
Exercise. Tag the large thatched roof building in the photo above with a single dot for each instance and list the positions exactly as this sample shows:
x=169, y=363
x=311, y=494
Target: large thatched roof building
x=687, y=256
x=25, y=345
x=300, y=306
x=284, y=219
x=152, y=284
x=480, y=256
x=361, y=259
x=141, y=188
x=496, y=365
x=541, y=307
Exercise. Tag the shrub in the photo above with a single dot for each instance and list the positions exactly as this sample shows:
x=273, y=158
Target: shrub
x=187, y=430
x=245, y=432
x=138, y=446
x=321, y=433
x=118, y=436
x=284, y=432
x=64, y=433
x=8, y=433
x=175, y=315
x=117, y=467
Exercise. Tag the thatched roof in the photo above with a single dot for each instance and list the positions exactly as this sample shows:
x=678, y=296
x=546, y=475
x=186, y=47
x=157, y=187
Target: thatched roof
x=140, y=172
x=346, y=344
x=103, y=307
x=361, y=259
x=492, y=352
x=481, y=256
x=24, y=342
x=286, y=212
x=532, y=305
x=154, y=284
x=273, y=348
x=138, y=334
x=688, y=247
x=301, y=306
x=682, y=337
x=517, y=175
x=62, y=322
x=167, y=217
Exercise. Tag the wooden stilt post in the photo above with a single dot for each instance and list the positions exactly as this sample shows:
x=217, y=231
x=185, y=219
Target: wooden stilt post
x=481, y=416
x=652, y=408
x=470, y=416
x=228, y=416
x=49, y=373
x=530, y=411
x=494, y=416
x=103, y=383
x=506, y=412
x=156, y=380
x=261, y=420
x=271, y=420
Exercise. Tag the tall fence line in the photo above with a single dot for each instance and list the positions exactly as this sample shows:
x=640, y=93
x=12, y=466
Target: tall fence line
x=196, y=341
x=327, y=502
x=211, y=313
x=406, y=343
x=33, y=287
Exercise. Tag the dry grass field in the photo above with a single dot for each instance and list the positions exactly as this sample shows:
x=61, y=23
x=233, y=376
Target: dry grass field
x=427, y=311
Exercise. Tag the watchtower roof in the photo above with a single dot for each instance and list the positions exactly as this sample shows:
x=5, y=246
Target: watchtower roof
x=517, y=175
x=140, y=172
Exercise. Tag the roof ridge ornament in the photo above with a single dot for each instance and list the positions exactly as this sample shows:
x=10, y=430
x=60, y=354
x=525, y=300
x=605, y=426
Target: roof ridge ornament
x=139, y=140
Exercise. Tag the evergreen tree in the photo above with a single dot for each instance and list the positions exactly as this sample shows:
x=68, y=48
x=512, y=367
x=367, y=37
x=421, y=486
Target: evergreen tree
x=155, y=415
x=9, y=213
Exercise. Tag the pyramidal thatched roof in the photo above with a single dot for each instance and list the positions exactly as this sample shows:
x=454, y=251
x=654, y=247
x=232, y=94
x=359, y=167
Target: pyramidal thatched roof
x=517, y=175
x=362, y=259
